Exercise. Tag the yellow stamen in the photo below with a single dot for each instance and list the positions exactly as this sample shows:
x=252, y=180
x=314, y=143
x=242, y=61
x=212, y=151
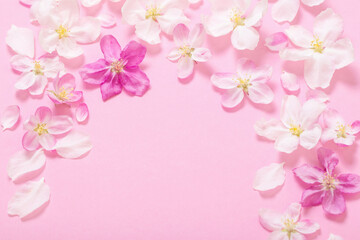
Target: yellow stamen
x=296, y=130
x=329, y=181
x=186, y=51
x=37, y=68
x=317, y=45
x=341, y=131
x=237, y=17
x=244, y=83
x=289, y=227
x=41, y=129
x=63, y=94
x=117, y=66
x=152, y=12
x=62, y=31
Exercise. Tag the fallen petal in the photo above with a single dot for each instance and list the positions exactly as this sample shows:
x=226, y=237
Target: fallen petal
x=10, y=116
x=27, y=3
x=334, y=237
x=318, y=95
x=82, y=112
x=25, y=162
x=74, y=145
x=289, y=81
x=269, y=177
x=107, y=20
x=277, y=41
x=21, y=40
x=29, y=198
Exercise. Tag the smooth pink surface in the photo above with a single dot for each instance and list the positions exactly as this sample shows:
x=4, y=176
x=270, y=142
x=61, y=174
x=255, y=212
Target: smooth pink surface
x=173, y=164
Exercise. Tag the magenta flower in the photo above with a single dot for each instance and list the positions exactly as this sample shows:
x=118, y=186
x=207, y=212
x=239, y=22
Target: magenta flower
x=42, y=127
x=64, y=90
x=326, y=188
x=119, y=69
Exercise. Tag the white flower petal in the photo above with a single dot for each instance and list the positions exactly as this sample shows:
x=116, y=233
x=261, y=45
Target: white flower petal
x=257, y=13
x=32, y=196
x=285, y=10
x=22, y=63
x=269, y=177
x=107, y=20
x=290, y=110
x=277, y=41
x=133, y=12
x=232, y=97
x=39, y=85
x=82, y=112
x=270, y=129
x=21, y=40
x=68, y=48
x=74, y=145
x=341, y=52
x=294, y=54
x=260, y=93
x=86, y=30
x=300, y=36
x=245, y=38
x=185, y=67
x=218, y=24
x=24, y=163
x=328, y=26
x=312, y=3
x=170, y=19
x=318, y=71
x=289, y=81
x=201, y=54
x=334, y=237
x=286, y=143
x=309, y=138
x=174, y=55
x=148, y=30
x=10, y=116
x=25, y=81
x=90, y=3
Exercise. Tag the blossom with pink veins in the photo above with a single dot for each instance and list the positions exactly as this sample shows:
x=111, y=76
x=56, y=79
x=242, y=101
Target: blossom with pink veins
x=42, y=129
x=338, y=130
x=64, y=90
x=151, y=17
x=287, y=226
x=62, y=28
x=248, y=80
x=188, y=48
x=286, y=10
x=298, y=125
x=326, y=187
x=322, y=50
x=234, y=16
x=118, y=69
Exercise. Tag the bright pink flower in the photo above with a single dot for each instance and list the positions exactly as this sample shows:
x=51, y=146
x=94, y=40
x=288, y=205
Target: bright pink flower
x=248, y=79
x=287, y=226
x=326, y=187
x=188, y=48
x=42, y=127
x=64, y=90
x=337, y=130
x=322, y=50
x=119, y=69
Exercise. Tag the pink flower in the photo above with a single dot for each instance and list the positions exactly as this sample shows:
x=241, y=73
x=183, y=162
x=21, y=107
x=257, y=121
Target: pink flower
x=277, y=41
x=322, y=51
x=188, y=48
x=337, y=129
x=120, y=69
x=64, y=90
x=153, y=16
x=298, y=125
x=42, y=127
x=326, y=187
x=287, y=226
x=234, y=16
x=248, y=79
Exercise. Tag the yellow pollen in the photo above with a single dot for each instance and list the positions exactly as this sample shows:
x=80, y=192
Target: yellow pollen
x=244, y=83
x=62, y=31
x=341, y=131
x=329, y=182
x=41, y=129
x=63, y=93
x=152, y=12
x=317, y=45
x=186, y=51
x=117, y=66
x=296, y=130
x=237, y=17
x=37, y=68
x=289, y=227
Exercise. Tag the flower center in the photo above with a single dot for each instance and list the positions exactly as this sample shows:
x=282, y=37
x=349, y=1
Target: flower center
x=317, y=45
x=237, y=17
x=186, y=51
x=62, y=31
x=289, y=227
x=63, y=94
x=152, y=12
x=41, y=129
x=329, y=182
x=296, y=130
x=117, y=66
x=341, y=131
x=37, y=68
x=244, y=83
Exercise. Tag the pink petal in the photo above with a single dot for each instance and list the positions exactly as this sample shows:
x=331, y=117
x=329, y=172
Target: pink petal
x=110, y=87
x=270, y=129
x=355, y=126
x=21, y=40
x=293, y=211
x=307, y=227
x=111, y=50
x=30, y=141
x=25, y=81
x=27, y=3
x=245, y=38
x=328, y=26
x=341, y=53
x=185, y=67
x=174, y=55
x=148, y=30
x=59, y=125
x=290, y=110
x=308, y=174
x=318, y=95
x=197, y=36
x=287, y=143
x=67, y=81
x=299, y=36
x=310, y=137
x=43, y=114
x=334, y=237
x=285, y=10
x=348, y=141
x=224, y=80
x=22, y=63
x=171, y=18
x=218, y=24
x=47, y=141
x=312, y=196
x=232, y=97
x=95, y=73
x=86, y=29
x=269, y=177
x=280, y=235
x=107, y=20
x=254, y=17
x=82, y=112
x=181, y=35
x=24, y=163
x=312, y=3
x=10, y=116
x=334, y=202
x=328, y=159
x=294, y=54
x=135, y=81
x=277, y=41
x=90, y=3
x=75, y=96
x=310, y=113
x=349, y=183
x=245, y=66
x=133, y=54
x=201, y=54
x=30, y=197
x=74, y=145
x=260, y=93
x=270, y=219
x=332, y=118
x=39, y=85
x=290, y=81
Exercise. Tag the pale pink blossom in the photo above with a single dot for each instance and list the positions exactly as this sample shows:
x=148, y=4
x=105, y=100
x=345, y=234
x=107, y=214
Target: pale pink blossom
x=325, y=186
x=322, y=50
x=298, y=125
x=154, y=16
x=236, y=17
x=64, y=90
x=188, y=48
x=289, y=81
x=42, y=129
x=248, y=80
x=277, y=41
x=269, y=177
x=82, y=112
x=9, y=117
x=286, y=10
x=287, y=226
x=62, y=28
x=337, y=130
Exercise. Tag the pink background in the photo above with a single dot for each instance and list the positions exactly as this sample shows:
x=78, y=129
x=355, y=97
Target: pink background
x=173, y=164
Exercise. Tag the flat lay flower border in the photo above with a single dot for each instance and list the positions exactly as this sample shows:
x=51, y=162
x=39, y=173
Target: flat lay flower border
x=301, y=124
